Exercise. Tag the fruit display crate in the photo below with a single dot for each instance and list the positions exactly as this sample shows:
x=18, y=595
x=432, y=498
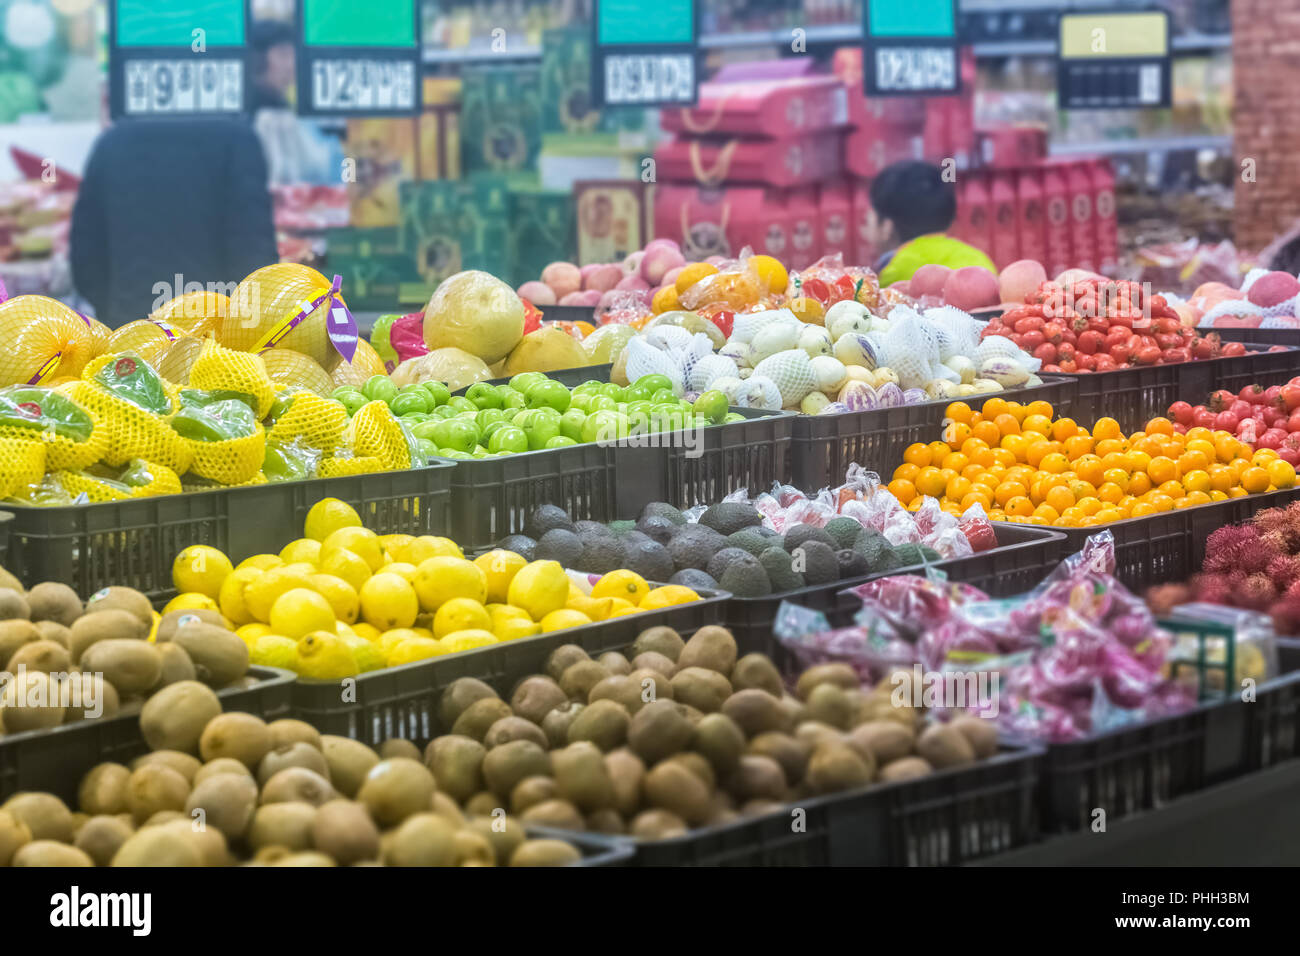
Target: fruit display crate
x=55, y=760
x=825, y=445
x=1169, y=546
x=569, y=377
x=403, y=701
x=133, y=543
x=568, y=313
x=597, y=849
x=6, y=519
x=947, y=818
x=1024, y=556
x=1133, y=396
x=1287, y=337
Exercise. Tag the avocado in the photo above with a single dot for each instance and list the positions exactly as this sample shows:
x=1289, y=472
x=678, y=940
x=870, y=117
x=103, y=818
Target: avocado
x=621, y=528
x=546, y=518
x=559, y=545
x=818, y=562
x=719, y=563
x=601, y=553
x=657, y=528
x=661, y=509
x=783, y=576
x=520, y=544
x=650, y=559
x=852, y=564
x=802, y=533
x=694, y=546
x=584, y=528
x=748, y=539
x=844, y=530
x=694, y=579
x=730, y=516
x=909, y=554
x=745, y=577
x=876, y=549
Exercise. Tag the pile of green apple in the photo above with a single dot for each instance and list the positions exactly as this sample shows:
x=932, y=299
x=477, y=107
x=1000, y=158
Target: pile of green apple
x=532, y=412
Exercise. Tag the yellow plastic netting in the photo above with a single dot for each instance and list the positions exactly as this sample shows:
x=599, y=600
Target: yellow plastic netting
x=346, y=374
x=230, y=462
x=96, y=490
x=99, y=333
x=194, y=483
x=22, y=465
x=42, y=340
x=294, y=368
x=61, y=451
x=176, y=364
x=218, y=369
x=342, y=467
x=264, y=303
x=163, y=481
x=144, y=338
x=131, y=431
x=313, y=420
x=376, y=433
x=199, y=314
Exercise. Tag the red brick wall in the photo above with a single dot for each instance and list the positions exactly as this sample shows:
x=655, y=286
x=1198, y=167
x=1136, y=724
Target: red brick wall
x=1266, y=68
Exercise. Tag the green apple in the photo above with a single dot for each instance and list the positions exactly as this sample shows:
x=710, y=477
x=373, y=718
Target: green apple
x=711, y=405
x=637, y=393
x=426, y=448
x=405, y=402
x=511, y=398
x=462, y=404
x=560, y=441
x=571, y=423
x=351, y=398
x=427, y=431
x=457, y=433
x=654, y=382
x=663, y=396
x=522, y=417
x=602, y=403
x=443, y=411
x=540, y=430
x=454, y=453
x=379, y=388
x=732, y=417
x=508, y=438
x=610, y=390
x=487, y=416
x=525, y=380
x=581, y=401
x=438, y=391
x=550, y=394
x=484, y=395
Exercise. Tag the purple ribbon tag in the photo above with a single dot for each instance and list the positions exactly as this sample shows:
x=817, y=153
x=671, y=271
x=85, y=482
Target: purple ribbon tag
x=4, y=292
x=342, y=326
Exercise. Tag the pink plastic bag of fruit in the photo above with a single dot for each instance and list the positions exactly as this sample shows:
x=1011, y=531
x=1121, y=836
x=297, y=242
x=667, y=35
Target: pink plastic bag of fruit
x=874, y=648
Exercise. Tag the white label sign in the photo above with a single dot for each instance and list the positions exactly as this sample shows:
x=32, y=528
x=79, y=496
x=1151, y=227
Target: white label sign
x=634, y=78
x=359, y=85
x=915, y=69
x=177, y=87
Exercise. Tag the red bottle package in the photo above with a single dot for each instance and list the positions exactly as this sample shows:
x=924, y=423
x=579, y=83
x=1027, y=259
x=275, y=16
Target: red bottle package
x=1103, y=190
x=1006, y=239
x=1030, y=215
x=1056, y=202
x=1083, y=225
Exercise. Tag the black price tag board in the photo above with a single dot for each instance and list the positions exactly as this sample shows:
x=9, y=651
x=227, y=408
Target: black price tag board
x=911, y=49
x=359, y=58
x=175, y=58
x=1114, y=60
x=645, y=53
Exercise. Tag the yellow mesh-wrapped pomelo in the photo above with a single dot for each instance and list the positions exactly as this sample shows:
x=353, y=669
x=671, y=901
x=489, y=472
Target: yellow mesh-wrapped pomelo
x=131, y=431
x=265, y=303
x=193, y=482
x=95, y=489
x=342, y=467
x=295, y=369
x=42, y=339
x=144, y=338
x=99, y=333
x=376, y=432
x=222, y=369
x=346, y=374
x=476, y=312
x=22, y=466
x=315, y=421
x=199, y=314
x=158, y=479
x=230, y=462
x=367, y=360
x=175, y=365
x=71, y=435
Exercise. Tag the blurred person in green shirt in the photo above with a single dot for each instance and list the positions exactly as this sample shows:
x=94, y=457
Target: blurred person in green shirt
x=912, y=207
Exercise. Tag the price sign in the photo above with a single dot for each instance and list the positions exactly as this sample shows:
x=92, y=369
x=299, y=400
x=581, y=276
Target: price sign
x=172, y=58
x=359, y=58
x=910, y=49
x=645, y=53
x=1114, y=60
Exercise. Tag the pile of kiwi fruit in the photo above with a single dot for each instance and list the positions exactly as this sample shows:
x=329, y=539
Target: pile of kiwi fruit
x=57, y=642
x=675, y=734
x=229, y=788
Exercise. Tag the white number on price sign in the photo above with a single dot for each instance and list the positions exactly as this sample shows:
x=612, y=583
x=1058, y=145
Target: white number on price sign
x=910, y=69
x=361, y=85
x=175, y=87
x=632, y=78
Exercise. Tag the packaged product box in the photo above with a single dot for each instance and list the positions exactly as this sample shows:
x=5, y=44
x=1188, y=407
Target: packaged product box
x=1083, y=228
x=384, y=153
x=708, y=221
x=1004, y=147
x=773, y=108
x=948, y=131
x=846, y=65
x=775, y=162
x=835, y=207
x=1006, y=227
x=974, y=223
x=501, y=119
x=1056, y=202
x=613, y=218
x=350, y=242
x=449, y=226
x=567, y=104
x=863, y=250
x=439, y=127
x=384, y=283
x=541, y=231
x=868, y=151
x=1103, y=189
x=803, y=213
x=1031, y=215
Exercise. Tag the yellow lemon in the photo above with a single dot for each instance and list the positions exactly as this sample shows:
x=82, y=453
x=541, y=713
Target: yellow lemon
x=624, y=611
x=422, y=631
x=595, y=608
x=200, y=569
x=249, y=633
x=670, y=595
x=770, y=272
x=414, y=649
x=539, y=588
x=620, y=606
x=327, y=516
x=390, y=639
x=153, y=627
x=627, y=585
x=402, y=569
x=368, y=631
x=299, y=567
x=265, y=587
x=460, y=614
x=510, y=628
x=342, y=597
x=304, y=550
x=346, y=565
x=191, y=601
x=233, y=595
x=563, y=618
x=274, y=650
x=439, y=579
x=499, y=567
x=388, y=601
x=262, y=562
x=323, y=655
x=393, y=543
x=367, y=655
x=467, y=640
x=360, y=541
x=428, y=546
x=345, y=630
x=299, y=611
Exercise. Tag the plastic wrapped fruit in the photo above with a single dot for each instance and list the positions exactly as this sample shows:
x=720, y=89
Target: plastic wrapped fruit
x=455, y=367
x=475, y=312
x=195, y=313
x=44, y=340
x=268, y=301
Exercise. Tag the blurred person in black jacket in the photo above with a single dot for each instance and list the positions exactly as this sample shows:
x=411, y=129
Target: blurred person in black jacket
x=167, y=198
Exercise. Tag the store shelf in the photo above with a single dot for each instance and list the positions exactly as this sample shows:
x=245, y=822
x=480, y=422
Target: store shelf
x=1146, y=144
x=480, y=53
x=833, y=33
x=1199, y=43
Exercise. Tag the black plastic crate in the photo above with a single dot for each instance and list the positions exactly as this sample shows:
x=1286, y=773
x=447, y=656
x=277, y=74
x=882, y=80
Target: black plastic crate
x=825, y=445
x=1024, y=556
x=133, y=543
x=597, y=849
x=950, y=817
x=403, y=701
x=568, y=313
x=55, y=760
x=6, y=519
x=1287, y=337
x=1257, y=367
x=572, y=377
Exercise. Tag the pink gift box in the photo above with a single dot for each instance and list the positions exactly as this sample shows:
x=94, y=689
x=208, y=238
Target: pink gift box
x=867, y=152
x=1011, y=146
x=835, y=203
x=708, y=221
x=774, y=108
x=775, y=162
x=864, y=253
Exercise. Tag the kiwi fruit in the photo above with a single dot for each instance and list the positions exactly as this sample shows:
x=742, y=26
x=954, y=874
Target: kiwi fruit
x=174, y=717
x=658, y=730
x=348, y=762
x=459, y=695
x=477, y=719
x=837, y=766
x=219, y=656
x=757, y=672
x=91, y=628
x=424, y=839
x=756, y=777
x=395, y=789
x=545, y=853
x=720, y=741
x=582, y=777
x=399, y=747
x=531, y=791
x=32, y=701
x=45, y=815
x=701, y=688
x=292, y=755
x=343, y=831
x=515, y=728
x=759, y=807
x=14, y=634
x=287, y=730
x=656, y=824
x=103, y=789
x=712, y=647
x=159, y=846
x=626, y=775
x=615, y=663
x=222, y=765
x=52, y=601
x=789, y=751
x=883, y=740
x=228, y=802
x=472, y=849
x=13, y=605
x=184, y=764
x=153, y=787
x=621, y=689
x=444, y=805
x=673, y=787
x=101, y=837
x=606, y=821
x=244, y=737
x=90, y=697
x=943, y=746
x=653, y=661
x=907, y=768
x=169, y=622
x=841, y=675
x=562, y=658
x=981, y=734
x=661, y=640
x=50, y=853
x=578, y=680
x=457, y=765
x=699, y=765
x=755, y=712
x=505, y=834
x=484, y=804
x=56, y=632
x=603, y=723
x=556, y=813
x=176, y=666
x=287, y=825
x=830, y=704
x=48, y=657
x=537, y=696
x=132, y=667
x=505, y=766
x=125, y=599
x=297, y=785
x=309, y=858
x=7, y=580
x=556, y=724
x=652, y=685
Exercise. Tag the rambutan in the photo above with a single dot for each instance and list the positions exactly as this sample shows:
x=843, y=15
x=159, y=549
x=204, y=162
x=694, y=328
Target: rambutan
x=1284, y=570
x=1271, y=519
x=1256, y=592
x=1293, y=592
x=1211, y=588
x=1286, y=615
x=1232, y=548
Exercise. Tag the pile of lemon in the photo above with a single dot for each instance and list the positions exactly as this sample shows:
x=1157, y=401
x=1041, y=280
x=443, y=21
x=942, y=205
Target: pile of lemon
x=342, y=600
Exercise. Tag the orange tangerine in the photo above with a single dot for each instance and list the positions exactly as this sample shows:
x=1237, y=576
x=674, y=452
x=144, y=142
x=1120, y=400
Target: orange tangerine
x=1263, y=456
x=972, y=471
x=1162, y=469
x=1047, y=513
x=915, y=504
x=1106, y=428
x=1063, y=428
x=1090, y=469
x=1108, y=446
x=1142, y=509
x=1217, y=495
x=1162, y=502
x=1194, y=460
x=994, y=407
x=1038, y=424
x=1055, y=463
x=957, y=488
x=1008, y=490
x=1197, y=481
x=938, y=449
x=1007, y=424
x=954, y=433
x=1198, y=498
x=1237, y=492
x=1059, y=498
x=976, y=498
x=1225, y=446
x=954, y=460
x=1076, y=446
x=1041, y=408
x=1254, y=480
x=1037, y=451
x=987, y=432
x=1003, y=457
x=917, y=453
x=1198, y=433
x=959, y=412
x=908, y=471
x=1020, y=506
x=1136, y=461
x=930, y=481
x=902, y=489
x=1117, y=476
x=1016, y=444
x=1281, y=473
x=1160, y=426
x=1206, y=448
x=1110, y=493
x=1089, y=506
x=1139, y=484
x=1073, y=515
x=972, y=445
x=1173, y=489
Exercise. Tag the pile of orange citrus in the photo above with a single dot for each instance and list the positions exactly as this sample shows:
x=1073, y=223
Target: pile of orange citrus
x=1024, y=466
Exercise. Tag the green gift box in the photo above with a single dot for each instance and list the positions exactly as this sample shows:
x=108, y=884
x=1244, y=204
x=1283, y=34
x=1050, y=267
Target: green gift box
x=448, y=226
x=349, y=242
x=501, y=119
x=387, y=283
x=541, y=231
x=568, y=105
